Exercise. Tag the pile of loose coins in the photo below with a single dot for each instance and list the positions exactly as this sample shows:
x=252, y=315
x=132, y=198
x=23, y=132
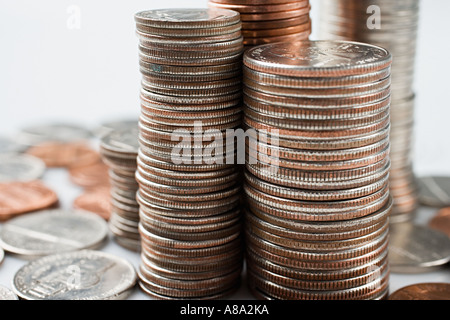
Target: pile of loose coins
x=189, y=193
x=317, y=170
x=270, y=21
x=392, y=25
x=119, y=151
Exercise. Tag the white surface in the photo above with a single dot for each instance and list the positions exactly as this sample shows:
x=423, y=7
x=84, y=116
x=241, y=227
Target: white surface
x=49, y=72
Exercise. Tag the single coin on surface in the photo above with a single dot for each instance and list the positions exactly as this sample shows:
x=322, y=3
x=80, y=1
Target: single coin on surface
x=415, y=248
x=21, y=197
x=7, y=294
x=20, y=167
x=52, y=231
x=423, y=291
x=80, y=275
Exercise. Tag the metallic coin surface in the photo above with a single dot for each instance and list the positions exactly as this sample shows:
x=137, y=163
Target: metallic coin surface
x=80, y=275
x=89, y=176
x=7, y=294
x=20, y=168
x=415, y=248
x=10, y=145
x=117, y=125
x=20, y=197
x=96, y=200
x=434, y=191
x=58, y=132
x=441, y=221
x=52, y=231
x=423, y=291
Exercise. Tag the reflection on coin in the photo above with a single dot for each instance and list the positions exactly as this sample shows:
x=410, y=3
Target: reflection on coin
x=80, y=275
x=414, y=248
x=118, y=125
x=20, y=168
x=21, y=197
x=6, y=294
x=52, y=231
x=60, y=132
x=423, y=291
x=434, y=191
x=441, y=221
x=58, y=154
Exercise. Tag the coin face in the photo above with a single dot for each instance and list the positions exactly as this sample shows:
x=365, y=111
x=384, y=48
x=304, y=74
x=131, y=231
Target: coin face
x=6, y=294
x=414, y=248
x=58, y=132
x=20, y=168
x=423, y=291
x=52, y=231
x=434, y=191
x=317, y=58
x=80, y=275
x=21, y=197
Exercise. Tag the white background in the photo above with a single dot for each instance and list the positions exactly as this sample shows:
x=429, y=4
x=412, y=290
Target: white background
x=49, y=72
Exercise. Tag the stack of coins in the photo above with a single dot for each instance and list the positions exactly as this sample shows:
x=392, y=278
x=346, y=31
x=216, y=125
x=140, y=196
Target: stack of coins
x=191, y=61
x=270, y=21
x=391, y=25
x=119, y=151
x=317, y=187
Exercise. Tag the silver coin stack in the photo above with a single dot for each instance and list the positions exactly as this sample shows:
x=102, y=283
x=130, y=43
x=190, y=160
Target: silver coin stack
x=119, y=151
x=317, y=173
x=396, y=30
x=191, y=62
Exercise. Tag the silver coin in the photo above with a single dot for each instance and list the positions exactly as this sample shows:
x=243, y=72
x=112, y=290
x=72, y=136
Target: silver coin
x=122, y=141
x=52, y=231
x=107, y=127
x=60, y=132
x=6, y=294
x=9, y=145
x=20, y=167
x=81, y=275
x=434, y=191
x=414, y=248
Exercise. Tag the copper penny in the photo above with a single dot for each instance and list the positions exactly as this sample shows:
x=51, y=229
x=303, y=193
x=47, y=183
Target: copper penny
x=275, y=15
x=21, y=197
x=276, y=32
x=285, y=38
x=96, y=201
x=266, y=8
x=92, y=175
x=441, y=221
x=423, y=291
x=273, y=24
x=56, y=154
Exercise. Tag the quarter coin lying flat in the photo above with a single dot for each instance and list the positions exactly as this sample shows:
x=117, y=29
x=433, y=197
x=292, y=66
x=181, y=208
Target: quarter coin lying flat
x=80, y=275
x=52, y=231
x=20, y=168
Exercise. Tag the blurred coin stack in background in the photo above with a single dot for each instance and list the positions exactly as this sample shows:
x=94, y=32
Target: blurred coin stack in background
x=270, y=21
x=119, y=151
x=392, y=25
x=191, y=63
x=317, y=183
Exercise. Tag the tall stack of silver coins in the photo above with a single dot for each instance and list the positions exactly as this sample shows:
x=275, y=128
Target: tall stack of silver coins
x=119, y=151
x=392, y=25
x=269, y=21
x=190, y=220
x=317, y=189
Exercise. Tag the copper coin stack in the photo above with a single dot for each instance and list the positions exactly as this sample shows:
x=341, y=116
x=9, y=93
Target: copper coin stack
x=190, y=220
x=119, y=151
x=395, y=28
x=269, y=21
x=317, y=173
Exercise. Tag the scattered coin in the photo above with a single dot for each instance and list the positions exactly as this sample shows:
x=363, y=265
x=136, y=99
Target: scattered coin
x=9, y=145
x=52, y=231
x=96, y=200
x=6, y=294
x=90, y=176
x=20, y=167
x=441, y=221
x=415, y=248
x=57, y=154
x=80, y=275
x=57, y=132
x=434, y=191
x=21, y=197
x=423, y=291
